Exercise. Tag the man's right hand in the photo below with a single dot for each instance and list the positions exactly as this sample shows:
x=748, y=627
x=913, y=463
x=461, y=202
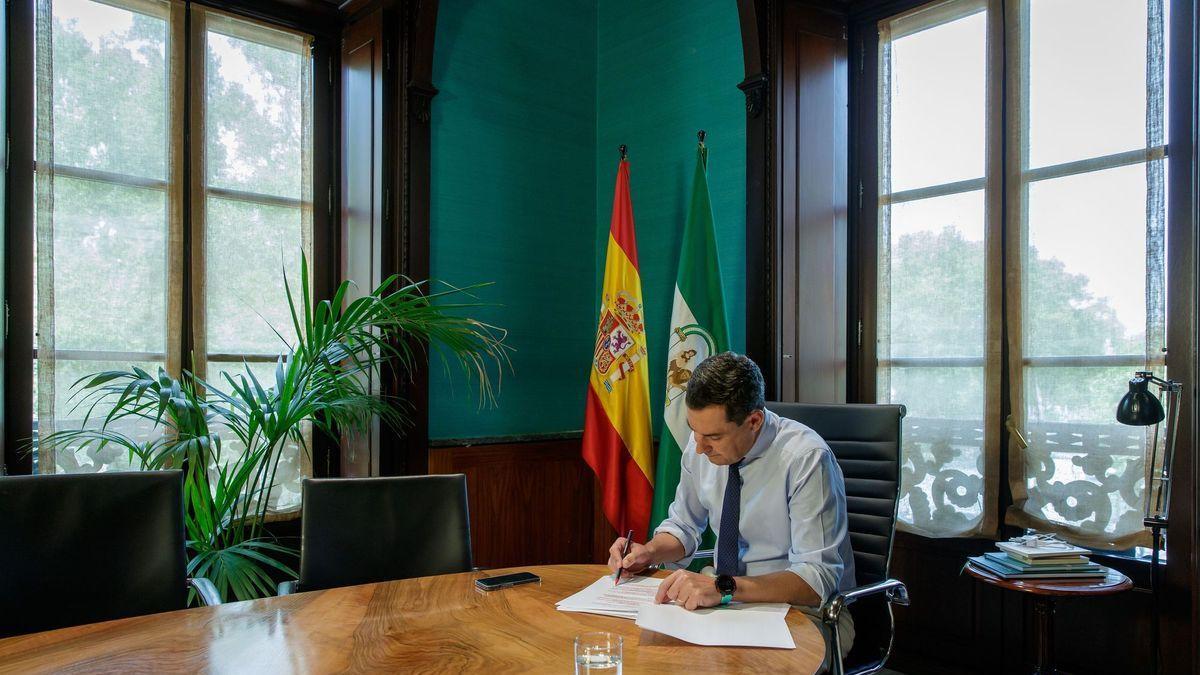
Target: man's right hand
x=639, y=558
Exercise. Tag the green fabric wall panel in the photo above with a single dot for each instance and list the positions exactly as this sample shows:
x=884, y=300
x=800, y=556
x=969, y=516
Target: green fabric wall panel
x=534, y=98
x=664, y=71
x=513, y=202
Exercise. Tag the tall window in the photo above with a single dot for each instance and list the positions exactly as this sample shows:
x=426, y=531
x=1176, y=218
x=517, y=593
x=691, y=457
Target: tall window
x=1047, y=224
x=106, y=183
x=116, y=224
x=937, y=340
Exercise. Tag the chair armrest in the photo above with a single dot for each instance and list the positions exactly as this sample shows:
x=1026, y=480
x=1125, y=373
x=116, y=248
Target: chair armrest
x=894, y=589
x=206, y=589
x=287, y=588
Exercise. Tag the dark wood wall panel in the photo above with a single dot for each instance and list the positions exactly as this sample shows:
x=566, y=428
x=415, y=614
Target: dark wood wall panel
x=980, y=629
x=18, y=237
x=362, y=190
x=811, y=203
x=3, y=206
x=531, y=503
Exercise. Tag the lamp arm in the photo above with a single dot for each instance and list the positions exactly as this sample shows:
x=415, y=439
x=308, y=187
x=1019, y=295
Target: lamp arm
x=1158, y=501
x=1166, y=385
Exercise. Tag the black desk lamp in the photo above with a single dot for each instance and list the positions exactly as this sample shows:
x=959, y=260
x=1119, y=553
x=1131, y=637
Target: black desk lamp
x=1141, y=408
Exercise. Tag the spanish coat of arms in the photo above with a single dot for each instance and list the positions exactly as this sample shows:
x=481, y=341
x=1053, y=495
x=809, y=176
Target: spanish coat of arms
x=617, y=347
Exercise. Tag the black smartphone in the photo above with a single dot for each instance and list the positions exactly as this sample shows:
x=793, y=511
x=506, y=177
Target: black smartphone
x=506, y=580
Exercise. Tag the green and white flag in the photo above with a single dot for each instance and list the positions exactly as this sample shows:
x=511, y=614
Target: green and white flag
x=698, y=330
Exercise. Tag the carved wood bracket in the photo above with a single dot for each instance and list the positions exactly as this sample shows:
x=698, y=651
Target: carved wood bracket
x=755, y=89
x=420, y=97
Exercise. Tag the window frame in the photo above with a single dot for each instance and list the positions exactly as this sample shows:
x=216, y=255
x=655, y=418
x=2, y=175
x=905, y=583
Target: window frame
x=318, y=19
x=864, y=177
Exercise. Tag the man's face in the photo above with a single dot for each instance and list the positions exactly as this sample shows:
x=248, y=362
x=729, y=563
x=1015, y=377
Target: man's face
x=722, y=441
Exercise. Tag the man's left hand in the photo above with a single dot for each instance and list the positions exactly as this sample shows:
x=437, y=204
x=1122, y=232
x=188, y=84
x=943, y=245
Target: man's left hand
x=689, y=589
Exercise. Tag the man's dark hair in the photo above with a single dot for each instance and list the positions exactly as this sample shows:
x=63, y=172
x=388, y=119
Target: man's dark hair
x=730, y=380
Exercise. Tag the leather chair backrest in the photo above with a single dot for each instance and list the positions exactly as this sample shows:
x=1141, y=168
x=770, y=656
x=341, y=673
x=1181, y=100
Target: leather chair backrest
x=80, y=548
x=865, y=440
x=363, y=530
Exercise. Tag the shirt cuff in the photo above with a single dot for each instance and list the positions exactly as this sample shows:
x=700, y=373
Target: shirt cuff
x=689, y=542
x=818, y=577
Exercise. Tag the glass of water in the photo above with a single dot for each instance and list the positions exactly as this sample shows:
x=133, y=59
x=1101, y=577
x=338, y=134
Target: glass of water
x=598, y=653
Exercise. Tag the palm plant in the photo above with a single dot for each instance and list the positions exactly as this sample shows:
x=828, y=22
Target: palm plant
x=319, y=380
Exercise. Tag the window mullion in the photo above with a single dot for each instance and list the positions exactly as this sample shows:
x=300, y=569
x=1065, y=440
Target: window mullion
x=192, y=263
x=1092, y=164
x=932, y=191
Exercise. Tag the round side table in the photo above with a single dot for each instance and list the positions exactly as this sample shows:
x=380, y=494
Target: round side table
x=1045, y=592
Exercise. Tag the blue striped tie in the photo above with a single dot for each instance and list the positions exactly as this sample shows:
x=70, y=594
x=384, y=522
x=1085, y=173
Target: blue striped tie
x=728, y=537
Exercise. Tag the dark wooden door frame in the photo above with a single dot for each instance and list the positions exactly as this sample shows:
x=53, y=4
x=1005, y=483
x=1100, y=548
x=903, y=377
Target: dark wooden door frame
x=18, y=270
x=767, y=319
x=406, y=223
x=759, y=19
x=409, y=31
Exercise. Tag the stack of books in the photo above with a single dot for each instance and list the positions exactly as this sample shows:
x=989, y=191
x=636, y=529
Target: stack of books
x=1039, y=559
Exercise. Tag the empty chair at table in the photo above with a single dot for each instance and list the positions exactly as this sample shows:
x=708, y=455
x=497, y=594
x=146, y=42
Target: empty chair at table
x=83, y=548
x=363, y=530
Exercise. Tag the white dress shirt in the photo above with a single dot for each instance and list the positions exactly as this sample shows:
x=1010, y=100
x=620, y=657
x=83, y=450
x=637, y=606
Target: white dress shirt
x=793, y=511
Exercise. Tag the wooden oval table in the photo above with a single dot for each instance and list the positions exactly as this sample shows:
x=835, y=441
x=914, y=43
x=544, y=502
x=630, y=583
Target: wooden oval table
x=431, y=624
x=1044, y=592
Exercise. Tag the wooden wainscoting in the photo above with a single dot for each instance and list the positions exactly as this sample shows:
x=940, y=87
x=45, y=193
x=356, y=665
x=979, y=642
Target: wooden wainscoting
x=985, y=630
x=532, y=503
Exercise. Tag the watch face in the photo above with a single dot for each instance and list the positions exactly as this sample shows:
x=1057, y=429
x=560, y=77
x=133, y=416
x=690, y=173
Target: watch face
x=726, y=584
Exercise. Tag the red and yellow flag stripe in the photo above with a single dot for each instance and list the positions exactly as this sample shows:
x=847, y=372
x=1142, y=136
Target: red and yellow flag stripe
x=616, y=434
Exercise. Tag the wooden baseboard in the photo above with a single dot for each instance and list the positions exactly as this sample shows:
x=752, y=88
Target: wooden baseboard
x=532, y=503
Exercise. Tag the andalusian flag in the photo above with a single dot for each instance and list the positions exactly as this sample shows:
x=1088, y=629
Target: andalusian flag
x=698, y=330
x=616, y=429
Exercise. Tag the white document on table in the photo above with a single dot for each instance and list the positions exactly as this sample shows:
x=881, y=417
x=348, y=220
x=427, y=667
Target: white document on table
x=736, y=625
x=622, y=600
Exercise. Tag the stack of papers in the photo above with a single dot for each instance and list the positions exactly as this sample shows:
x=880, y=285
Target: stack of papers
x=622, y=600
x=739, y=624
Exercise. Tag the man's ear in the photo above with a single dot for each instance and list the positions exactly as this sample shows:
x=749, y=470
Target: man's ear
x=756, y=419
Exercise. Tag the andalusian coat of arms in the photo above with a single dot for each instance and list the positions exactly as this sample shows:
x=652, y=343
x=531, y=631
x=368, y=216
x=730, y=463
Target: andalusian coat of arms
x=690, y=344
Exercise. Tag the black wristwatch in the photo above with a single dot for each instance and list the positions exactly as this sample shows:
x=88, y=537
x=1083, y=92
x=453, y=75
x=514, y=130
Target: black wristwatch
x=726, y=586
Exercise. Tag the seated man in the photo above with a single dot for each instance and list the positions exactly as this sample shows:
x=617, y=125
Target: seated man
x=772, y=488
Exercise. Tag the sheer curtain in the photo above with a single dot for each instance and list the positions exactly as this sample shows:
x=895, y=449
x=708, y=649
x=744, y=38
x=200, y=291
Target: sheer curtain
x=1085, y=253
x=108, y=206
x=252, y=205
x=1081, y=292
x=110, y=166
x=938, y=349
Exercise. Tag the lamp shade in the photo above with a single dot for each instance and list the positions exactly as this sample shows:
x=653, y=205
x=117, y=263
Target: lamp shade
x=1139, y=407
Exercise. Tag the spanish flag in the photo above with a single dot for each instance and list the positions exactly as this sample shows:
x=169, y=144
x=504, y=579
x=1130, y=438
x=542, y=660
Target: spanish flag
x=616, y=429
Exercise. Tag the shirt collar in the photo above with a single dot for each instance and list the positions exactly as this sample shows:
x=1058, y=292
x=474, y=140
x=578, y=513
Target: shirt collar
x=766, y=436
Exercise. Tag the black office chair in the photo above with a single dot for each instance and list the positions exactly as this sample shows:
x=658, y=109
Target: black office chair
x=80, y=548
x=363, y=530
x=865, y=440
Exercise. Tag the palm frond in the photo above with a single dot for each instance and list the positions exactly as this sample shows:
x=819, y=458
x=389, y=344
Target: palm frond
x=322, y=377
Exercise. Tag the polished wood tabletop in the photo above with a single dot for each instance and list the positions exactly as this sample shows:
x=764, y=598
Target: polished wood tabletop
x=431, y=624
